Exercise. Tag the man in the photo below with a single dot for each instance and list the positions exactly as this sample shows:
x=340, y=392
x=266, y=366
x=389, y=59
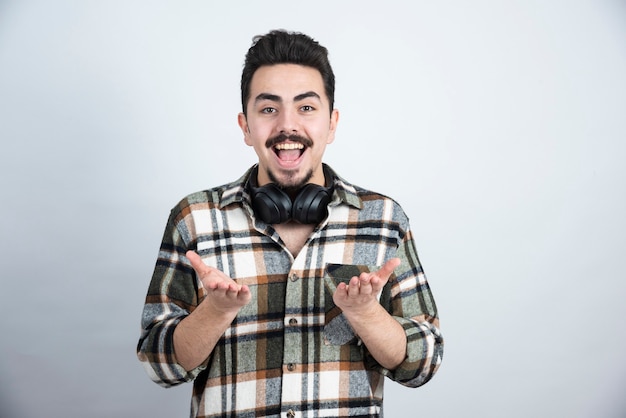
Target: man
x=289, y=292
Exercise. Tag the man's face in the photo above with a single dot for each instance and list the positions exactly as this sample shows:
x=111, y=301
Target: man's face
x=289, y=124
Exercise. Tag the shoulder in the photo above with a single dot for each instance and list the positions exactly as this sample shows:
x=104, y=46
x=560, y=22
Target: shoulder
x=371, y=204
x=215, y=198
x=367, y=195
x=381, y=205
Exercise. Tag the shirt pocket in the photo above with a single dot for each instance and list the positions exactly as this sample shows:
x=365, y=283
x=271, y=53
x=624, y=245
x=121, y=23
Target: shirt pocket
x=337, y=329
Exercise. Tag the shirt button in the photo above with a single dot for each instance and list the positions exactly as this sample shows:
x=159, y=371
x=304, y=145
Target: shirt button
x=293, y=321
x=291, y=414
x=291, y=367
x=293, y=277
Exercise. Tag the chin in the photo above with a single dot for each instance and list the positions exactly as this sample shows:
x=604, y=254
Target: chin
x=290, y=180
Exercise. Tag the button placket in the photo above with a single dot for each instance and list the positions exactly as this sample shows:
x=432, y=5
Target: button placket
x=292, y=354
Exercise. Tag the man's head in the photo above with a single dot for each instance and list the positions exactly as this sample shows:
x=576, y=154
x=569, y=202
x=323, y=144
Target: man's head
x=288, y=118
x=282, y=47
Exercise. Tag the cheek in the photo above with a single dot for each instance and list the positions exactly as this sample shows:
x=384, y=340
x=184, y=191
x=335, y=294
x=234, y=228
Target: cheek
x=323, y=135
x=260, y=131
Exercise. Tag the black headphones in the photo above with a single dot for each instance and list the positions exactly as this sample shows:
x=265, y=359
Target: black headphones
x=273, y=206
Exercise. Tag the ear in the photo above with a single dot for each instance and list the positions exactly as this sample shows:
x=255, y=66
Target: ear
x=243, y=125
x=334, y=120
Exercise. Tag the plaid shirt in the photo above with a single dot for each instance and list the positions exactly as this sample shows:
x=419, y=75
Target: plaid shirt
x=290, y=352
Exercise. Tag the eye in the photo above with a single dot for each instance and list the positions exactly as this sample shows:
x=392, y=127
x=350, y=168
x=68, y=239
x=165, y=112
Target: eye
x=268, y=110
x=307, y=108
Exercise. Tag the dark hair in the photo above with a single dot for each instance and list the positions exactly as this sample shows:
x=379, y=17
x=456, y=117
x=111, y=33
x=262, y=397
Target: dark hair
x=282, y=47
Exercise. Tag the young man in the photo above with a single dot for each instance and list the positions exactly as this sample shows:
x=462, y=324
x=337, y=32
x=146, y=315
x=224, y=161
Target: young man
x=289, y=292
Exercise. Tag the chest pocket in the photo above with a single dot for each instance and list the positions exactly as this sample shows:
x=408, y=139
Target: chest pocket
x=337, y=330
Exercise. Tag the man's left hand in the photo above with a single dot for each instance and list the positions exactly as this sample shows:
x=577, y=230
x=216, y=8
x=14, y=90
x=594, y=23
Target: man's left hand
x=361, y=293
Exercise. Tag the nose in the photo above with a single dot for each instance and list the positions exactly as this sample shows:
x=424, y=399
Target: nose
x=288, y=122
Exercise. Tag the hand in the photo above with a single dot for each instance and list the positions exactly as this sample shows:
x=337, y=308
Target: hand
x=361, y=294
x=224, y=294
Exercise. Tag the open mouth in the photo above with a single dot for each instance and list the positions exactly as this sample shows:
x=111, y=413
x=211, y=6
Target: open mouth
x=289, y=151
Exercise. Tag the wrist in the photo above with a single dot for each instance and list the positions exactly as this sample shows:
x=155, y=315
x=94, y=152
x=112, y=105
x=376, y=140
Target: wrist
x=217, y=311
x=364, y=312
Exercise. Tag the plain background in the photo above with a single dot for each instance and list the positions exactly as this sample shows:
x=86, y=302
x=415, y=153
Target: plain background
x=500, y=127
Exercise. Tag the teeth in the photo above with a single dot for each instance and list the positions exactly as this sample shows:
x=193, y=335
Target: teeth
x=289, y=146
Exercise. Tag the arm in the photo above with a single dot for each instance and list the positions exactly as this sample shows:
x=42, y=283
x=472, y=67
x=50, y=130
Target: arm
x=413, y=306
x=173, y=297
x=401, y=333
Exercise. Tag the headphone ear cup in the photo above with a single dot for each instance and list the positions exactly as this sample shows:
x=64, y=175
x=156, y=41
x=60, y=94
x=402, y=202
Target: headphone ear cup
x=311, y=205
x=271, y=204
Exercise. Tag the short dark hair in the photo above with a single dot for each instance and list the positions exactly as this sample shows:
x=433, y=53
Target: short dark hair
x=283, y=47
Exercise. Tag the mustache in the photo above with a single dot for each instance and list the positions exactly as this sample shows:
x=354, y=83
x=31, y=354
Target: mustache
x=284, y=137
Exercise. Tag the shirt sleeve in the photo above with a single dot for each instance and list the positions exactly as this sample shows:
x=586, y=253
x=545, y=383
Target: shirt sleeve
x=411, y=303
x=173, y=293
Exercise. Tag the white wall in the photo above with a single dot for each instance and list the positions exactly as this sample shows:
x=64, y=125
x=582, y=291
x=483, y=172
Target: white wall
x=498, y=125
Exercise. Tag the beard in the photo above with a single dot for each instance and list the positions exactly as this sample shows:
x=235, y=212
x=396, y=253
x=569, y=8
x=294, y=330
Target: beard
x=291, y=184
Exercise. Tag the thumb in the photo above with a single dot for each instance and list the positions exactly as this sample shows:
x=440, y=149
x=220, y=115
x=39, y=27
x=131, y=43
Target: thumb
x=196, y=262
x=387, y=269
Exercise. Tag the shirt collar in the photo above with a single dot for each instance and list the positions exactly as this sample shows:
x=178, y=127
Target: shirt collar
x=343, y=191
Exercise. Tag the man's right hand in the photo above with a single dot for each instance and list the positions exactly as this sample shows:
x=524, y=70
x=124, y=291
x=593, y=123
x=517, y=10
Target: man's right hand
x=224, y=294
x=197, y=334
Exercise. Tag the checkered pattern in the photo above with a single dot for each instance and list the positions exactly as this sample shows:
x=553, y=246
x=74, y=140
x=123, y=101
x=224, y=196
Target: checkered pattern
x=290, y=351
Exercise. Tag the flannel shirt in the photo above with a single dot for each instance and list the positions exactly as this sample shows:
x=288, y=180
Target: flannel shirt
x=289, y=352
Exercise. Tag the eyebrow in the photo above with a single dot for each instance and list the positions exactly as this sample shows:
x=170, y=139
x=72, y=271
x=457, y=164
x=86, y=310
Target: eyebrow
x=276, y=98
x=306, y=96
x=268, y=96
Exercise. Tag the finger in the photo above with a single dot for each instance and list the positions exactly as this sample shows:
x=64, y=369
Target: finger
x=238, y=293
x=244, y=294
x=341, y=287
x=365, y=283
x=196, y=262
x=377, y=284
x=224, y=290
x=354, y=286
x=365, y=277
x=387, y=269
x=226, y=286
x=341, y=292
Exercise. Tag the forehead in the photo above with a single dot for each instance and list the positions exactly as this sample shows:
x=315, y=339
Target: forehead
x=286, y=81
